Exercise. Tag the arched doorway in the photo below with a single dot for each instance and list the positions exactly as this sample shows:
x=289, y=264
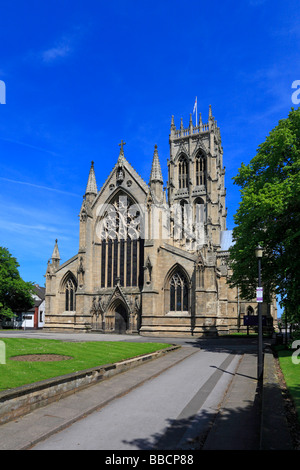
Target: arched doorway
x=121, y=320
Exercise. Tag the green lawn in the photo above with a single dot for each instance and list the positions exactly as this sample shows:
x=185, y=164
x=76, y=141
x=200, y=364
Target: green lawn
x=84, y=356
x=291, y=374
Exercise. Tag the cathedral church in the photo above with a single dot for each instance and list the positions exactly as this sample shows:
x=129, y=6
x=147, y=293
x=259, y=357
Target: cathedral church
x=153, y=260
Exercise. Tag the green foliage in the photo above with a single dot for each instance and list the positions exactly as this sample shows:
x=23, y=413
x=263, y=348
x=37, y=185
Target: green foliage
x=6, y=312
x=269, y=214
x=15, y=294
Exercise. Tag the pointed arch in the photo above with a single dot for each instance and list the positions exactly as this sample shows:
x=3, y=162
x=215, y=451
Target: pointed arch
x=68, y=287
x=68, y=275
x=200, y=168
x=120, y=227
x=121, y=215
x=118, y=313
x=199, y=210
x=177, y=290
x=250, y=310
x=183, y=171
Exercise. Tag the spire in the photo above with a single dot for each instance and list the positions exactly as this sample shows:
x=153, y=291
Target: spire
x=55, y=258
x=91, y=187
x=55, y=254
x=173, y=127
x=156, y=174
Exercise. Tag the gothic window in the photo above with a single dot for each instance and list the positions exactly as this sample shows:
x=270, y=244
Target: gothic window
x=70, y=295
x=200, y=211
x=200, y=170
x=178, y=293
x=250, y=310
x=183, y=172
x=121, y=243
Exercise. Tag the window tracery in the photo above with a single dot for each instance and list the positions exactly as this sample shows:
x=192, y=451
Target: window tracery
x=122, y=246
x=70, y=290
x=183, y=172
x=200, y=170
x=178, y=293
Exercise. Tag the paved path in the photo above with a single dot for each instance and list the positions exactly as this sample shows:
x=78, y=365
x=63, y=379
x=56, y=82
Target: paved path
x=159, y=414
x=151, y=406
x=191, y=398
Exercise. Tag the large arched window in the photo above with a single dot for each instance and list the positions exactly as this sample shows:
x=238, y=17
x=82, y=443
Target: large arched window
x=179, y=298
x=183, y=172
x=122, y=247
x=200, y=170
x=70, y=289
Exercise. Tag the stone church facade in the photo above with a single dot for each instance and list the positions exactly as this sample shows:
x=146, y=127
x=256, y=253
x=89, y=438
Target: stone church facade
x=153, y=260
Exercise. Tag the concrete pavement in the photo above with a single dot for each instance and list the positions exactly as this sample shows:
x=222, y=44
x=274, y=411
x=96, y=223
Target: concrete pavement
x=250, y=417
x=43, y=422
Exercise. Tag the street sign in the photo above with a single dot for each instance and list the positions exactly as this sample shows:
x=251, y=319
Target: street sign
x=252, y=320
x=259, y=294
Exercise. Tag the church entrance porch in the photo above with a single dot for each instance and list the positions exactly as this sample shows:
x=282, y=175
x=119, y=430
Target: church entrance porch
x=121, y=320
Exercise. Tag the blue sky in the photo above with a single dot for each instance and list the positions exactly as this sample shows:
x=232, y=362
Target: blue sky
x=82, y=76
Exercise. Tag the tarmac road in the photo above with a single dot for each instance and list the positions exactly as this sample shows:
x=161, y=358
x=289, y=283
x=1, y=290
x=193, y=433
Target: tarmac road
x=165, y=412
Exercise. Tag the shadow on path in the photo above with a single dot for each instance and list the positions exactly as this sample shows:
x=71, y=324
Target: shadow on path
x=226, y=429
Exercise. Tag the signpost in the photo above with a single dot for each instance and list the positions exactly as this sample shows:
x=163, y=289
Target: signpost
x=259, y=299
x=259, y=294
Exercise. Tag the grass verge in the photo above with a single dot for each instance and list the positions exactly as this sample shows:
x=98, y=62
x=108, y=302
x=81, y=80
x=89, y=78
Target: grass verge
x=291, y=373
x=84, y=356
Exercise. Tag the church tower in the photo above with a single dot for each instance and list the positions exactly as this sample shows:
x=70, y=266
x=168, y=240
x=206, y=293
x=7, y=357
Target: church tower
x=196, y=181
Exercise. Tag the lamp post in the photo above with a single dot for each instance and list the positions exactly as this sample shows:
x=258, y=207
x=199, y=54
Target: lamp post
x=260, y=367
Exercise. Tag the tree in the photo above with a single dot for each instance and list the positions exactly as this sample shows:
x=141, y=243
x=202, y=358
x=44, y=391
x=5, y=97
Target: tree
x=269, y=214
x=15, y=294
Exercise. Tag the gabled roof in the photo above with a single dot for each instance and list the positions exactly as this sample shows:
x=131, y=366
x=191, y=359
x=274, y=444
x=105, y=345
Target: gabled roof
x=127, y=166
x=39, y=291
